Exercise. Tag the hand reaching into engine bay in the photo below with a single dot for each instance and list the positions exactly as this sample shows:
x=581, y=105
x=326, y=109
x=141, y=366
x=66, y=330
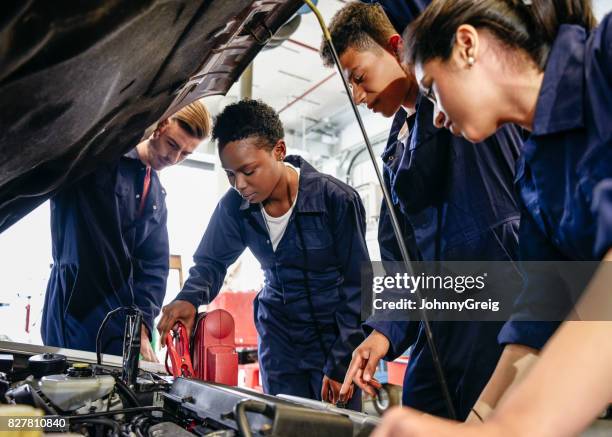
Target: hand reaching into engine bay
x=177, y=311
x=363, y=365
x=330, y=391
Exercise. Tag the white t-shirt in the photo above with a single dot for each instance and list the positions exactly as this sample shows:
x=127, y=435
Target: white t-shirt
x=404, y=134
x=277, y=225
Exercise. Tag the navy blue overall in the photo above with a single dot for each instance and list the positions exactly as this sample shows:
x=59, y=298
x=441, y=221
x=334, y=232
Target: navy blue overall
x=308, y=313
x=455, y=201
x=105, y=256
x=565, y=174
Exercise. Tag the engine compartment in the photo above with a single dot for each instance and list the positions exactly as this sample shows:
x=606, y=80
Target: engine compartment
x=74, y=394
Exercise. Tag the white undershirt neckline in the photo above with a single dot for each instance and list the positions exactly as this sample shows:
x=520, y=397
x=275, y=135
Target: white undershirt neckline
x=404, y=133
x=277, y=225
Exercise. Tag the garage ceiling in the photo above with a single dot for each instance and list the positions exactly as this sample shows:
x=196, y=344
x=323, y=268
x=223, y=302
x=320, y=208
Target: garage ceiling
x=292, y=79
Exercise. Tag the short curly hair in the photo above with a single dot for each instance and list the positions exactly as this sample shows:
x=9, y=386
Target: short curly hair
x=358, y=25
x=248, y=118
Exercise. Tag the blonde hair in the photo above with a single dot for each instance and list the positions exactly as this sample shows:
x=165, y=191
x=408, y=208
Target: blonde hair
x=194, y=119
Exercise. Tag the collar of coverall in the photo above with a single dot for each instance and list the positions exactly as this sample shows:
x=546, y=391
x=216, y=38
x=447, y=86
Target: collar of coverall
x=556, y=110
x=310, y=193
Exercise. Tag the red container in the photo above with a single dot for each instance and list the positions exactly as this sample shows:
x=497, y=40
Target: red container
x=248, y=376
x=396, y=370
x=240, y=305
x=213, y=357
x=214, y=354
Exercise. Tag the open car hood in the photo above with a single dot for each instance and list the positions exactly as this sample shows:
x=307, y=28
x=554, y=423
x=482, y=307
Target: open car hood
x=80, y=82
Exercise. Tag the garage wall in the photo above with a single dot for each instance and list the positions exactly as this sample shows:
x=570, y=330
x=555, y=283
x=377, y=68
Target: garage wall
x=25, y=260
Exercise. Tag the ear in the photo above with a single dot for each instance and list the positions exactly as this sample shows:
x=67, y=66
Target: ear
x=395, y=46
x=466, y=46
x=161, y=127
x=280, y=150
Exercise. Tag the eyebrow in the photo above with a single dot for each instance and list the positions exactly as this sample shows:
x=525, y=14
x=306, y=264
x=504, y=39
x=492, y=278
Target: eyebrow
x=242, y=167
x=247, y=165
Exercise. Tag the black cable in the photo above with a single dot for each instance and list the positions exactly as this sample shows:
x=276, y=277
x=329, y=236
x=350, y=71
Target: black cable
x=140, y=424
x=324, y=350
x=127, y=392
x=131, y=349
x=311, y=308
x=108, y=316
x=394, y=221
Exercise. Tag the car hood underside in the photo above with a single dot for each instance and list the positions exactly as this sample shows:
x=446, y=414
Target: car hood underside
x=81, y=81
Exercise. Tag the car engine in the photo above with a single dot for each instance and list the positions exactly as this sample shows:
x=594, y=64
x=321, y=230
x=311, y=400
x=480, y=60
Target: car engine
x=96, y=400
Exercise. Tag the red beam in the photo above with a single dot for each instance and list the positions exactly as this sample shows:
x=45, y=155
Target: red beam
x=302, y=44
x=308, y=91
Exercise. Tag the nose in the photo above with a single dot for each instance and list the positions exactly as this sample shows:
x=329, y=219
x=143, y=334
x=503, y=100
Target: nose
x=240, y=183
x=174, y=156
x=439, y=118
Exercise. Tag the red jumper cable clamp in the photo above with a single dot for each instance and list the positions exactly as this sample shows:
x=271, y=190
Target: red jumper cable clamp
x=177, y=348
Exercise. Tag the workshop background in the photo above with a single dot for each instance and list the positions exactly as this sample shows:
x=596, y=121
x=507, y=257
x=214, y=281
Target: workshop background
x=319, y=125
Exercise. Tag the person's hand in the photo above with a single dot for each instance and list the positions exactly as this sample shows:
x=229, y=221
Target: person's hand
x=146, y=350
x=363, y=365
x=406, y=422
x=403, y=422
x=330, y=391
x=177, y=311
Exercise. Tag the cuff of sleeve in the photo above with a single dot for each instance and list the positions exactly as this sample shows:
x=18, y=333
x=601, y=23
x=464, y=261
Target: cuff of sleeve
x=531, y=334
x=190, y=296
x=341, y=354
x=385, y=328
x=337, y=373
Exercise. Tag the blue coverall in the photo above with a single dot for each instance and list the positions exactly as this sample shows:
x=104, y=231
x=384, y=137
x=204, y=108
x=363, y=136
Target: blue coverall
x=455, y=201
x=308, y=313
x=565, y=174
x=105, y=256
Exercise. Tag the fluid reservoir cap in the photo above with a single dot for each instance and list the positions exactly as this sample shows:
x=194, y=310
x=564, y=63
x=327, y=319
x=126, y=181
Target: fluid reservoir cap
x=80, y=370
x=46, y=364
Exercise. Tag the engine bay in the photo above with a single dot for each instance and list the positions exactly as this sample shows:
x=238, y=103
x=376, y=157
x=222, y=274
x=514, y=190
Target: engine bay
x=74, y=394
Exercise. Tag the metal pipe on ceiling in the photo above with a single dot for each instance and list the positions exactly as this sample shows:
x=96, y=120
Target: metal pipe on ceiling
x=303, y=44
x=308, y=91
